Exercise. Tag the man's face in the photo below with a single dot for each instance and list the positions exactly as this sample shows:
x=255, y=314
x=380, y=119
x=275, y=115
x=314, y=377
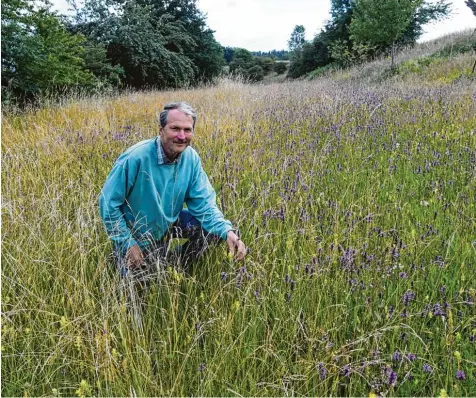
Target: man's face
x=177, y=134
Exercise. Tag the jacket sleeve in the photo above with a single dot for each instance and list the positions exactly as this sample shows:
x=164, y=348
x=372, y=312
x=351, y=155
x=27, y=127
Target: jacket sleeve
x=117, y=187
x=201, y=202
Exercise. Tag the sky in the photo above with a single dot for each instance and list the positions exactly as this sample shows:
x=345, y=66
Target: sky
x=264, y=25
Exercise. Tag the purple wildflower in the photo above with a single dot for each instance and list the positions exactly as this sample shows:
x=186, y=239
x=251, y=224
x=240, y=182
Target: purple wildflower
x=460, y=375
x=411, y=357
x=390, y=311
x=437, y=310
x=322, y=370
x=396, y=356
x=202, y=367
x=346, y=371
x=427, y=368
x=408, y=296
x=391, y=377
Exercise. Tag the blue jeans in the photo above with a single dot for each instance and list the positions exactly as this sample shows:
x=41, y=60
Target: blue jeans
x=157, y=252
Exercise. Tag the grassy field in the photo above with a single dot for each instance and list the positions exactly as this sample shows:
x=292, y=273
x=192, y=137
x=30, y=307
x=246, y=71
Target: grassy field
x=358, y=203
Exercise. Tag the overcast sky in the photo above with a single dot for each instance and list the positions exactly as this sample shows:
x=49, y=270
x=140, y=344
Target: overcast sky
x=267, y=24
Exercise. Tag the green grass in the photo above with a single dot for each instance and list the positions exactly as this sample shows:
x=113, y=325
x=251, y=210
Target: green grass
x=350, y=197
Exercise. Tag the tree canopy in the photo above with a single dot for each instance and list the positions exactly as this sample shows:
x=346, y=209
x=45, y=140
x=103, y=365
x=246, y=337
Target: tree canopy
x=333, y=45
x=38, y=53
x=124, y=43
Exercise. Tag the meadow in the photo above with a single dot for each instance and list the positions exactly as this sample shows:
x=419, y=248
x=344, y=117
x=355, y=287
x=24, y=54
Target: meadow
x=358, y=204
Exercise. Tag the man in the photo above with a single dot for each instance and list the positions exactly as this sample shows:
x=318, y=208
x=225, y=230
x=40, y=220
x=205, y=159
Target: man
x=142, y=200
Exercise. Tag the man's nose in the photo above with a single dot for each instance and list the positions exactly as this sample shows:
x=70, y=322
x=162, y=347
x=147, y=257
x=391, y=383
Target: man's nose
x=181, y=134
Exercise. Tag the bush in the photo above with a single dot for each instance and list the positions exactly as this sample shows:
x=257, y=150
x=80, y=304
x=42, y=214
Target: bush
x=280, y=67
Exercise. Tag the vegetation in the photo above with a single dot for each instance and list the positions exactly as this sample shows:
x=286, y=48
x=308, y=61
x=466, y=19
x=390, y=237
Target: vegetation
x=38, y=53
x=335, y=45
x=116, y=43
x=357, y=200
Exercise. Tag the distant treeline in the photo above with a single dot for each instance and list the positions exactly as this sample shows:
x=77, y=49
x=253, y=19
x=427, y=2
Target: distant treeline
x=276, y=54
x=167, y=44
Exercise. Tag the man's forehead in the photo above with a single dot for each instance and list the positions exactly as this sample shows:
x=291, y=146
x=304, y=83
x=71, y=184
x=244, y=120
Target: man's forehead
x=177, y=114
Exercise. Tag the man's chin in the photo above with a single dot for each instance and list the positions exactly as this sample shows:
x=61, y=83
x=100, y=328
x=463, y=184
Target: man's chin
x=178, y=149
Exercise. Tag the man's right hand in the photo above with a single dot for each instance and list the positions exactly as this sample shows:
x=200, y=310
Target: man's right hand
x=134, y=257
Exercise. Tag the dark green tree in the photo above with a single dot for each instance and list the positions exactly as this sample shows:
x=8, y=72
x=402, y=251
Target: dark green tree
x=280, y=67
x=265, y=63
x=472, y=5
x=228, y=53
x=255, y=73
x=38, y=54
x=157, y=42
x=242, y=59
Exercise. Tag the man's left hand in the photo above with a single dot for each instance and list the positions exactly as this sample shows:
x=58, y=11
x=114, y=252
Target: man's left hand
x=236, y=246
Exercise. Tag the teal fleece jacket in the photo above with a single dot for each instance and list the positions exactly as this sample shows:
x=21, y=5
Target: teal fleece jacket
x=143, y=196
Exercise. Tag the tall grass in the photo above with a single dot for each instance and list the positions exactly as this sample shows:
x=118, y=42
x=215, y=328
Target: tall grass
x=357, y=203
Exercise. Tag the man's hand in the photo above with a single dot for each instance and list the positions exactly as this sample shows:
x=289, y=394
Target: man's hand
x=234, y=243
x=134, y=257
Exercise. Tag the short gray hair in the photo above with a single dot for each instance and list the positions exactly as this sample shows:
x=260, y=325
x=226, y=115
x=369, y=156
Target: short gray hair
x=181, y=106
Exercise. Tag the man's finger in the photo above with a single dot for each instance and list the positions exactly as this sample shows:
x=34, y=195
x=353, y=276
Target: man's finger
x=231, y=246
x=241, y=250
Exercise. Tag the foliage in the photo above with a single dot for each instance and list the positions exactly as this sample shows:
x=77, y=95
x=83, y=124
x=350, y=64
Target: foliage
x=312, y=55
x=156, y=43
x=297, y=39
x=472, y=5
x=96, y=61
x=38, y=53
x=280, y=67
x=427, y=12
x=255, y=73
x=250, y=67
x=316, y=53
x=336, y=34
x=358, y=53
x=228, y=53
x=274, y=54
x=381, y=22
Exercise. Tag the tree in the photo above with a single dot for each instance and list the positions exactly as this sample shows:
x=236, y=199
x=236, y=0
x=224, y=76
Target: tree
x=265, y=63
x=298, y=38
x=255, y=73
x=425, y=13
x=472, y=5
x=228, y=53
x=38, y=54
x=158, y=43
x=280, y=67
x=242, y=59
x=336, y=35
x=381, y=22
